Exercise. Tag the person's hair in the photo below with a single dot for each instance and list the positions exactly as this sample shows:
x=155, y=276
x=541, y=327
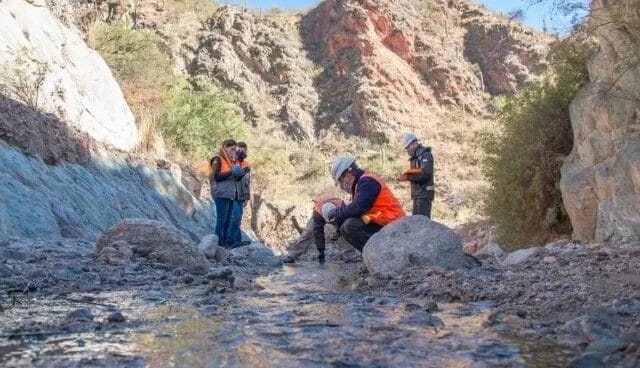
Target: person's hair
x=228, y=143
x=242, y=145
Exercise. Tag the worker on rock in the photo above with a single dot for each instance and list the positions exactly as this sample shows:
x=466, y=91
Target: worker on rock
x=420, y=174
x=372, y=205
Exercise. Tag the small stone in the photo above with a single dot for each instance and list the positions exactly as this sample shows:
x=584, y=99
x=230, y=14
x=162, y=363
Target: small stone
x=220, y=274
x=513, y=321
x=422, y=318
x=188, y=279
x=180, y=271
x=550, y=259
x=587, y=360
x=80, y=315
x=521, y=313
x=431, y=306
x=116, y=317
x=606, y=346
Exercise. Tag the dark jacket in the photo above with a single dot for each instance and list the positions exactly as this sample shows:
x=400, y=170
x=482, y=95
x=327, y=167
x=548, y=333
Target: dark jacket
x=422, y=184
x=223, y=184
x=244, y=187
x=363, y=194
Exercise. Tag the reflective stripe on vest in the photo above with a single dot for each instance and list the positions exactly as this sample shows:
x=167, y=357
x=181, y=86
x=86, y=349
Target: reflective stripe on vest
x=386, y=208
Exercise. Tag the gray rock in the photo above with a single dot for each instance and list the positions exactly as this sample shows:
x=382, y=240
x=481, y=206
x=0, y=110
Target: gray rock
x=422, y=318
x=220, y=274
x=490, y=249
x=209, y=246
x=606, y=345
x=587, y=360
x=156, y=242
x=80, y=315
x=116, y=317
x=256, y=254
x=412, y=241
x=208, y=241
x=520, y=256
x=117, y=253
x=155, y=295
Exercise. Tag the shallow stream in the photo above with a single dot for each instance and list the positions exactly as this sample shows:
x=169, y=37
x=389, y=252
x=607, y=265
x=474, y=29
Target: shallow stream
x=302, y=315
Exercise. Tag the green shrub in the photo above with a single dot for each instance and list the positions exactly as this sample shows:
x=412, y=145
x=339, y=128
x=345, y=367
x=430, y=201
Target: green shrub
x=132, y=55
x=199, y=118
x=525, y=155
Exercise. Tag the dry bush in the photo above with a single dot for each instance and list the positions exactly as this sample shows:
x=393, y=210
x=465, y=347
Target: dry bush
x=22, y=77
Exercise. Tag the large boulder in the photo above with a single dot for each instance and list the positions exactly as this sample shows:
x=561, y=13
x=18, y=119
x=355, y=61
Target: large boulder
x=600, y=180
x=413, y=241
x=154, y=241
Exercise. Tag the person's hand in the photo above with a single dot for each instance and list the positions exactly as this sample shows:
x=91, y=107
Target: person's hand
x=321, y=257
x=403, y=177
x=236, y=170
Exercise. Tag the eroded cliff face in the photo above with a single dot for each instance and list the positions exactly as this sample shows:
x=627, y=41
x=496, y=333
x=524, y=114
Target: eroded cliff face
x=66, y=170
x=47, y=64
x=601, y=177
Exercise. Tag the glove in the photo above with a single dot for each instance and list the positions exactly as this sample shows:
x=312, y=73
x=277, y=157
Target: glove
x=403, y=177
x=236, y=170
x=321, y=257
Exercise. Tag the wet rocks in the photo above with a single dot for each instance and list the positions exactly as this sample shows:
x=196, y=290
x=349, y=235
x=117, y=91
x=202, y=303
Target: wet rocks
x=116, y=317
x=519, y=256
x=117, y=253
x=412, y=241
x=154, y=241
x=255, y=254
x=80, y=315
x=422, y=318
x=220, y=274
x=210, y=248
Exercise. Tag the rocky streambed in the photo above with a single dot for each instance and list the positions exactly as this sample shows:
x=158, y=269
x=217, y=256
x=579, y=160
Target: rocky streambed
x=62, y=306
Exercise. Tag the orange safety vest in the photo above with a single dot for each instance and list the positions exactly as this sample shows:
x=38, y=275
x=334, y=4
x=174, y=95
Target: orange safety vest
x=225, y=163
x=386, y=208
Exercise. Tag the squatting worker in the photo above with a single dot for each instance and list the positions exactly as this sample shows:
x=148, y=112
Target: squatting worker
x=420, y=174
x=315, y=230
x=372, y=205
x=225, y=183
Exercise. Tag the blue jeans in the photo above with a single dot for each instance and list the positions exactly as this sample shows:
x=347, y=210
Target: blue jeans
x=236, y=219
x=224, y=209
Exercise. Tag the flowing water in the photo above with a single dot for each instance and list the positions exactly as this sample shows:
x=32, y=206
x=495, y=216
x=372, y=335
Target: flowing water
x=303, y=315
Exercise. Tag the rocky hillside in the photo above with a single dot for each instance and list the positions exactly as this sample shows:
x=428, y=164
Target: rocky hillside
x=66, y=136
x=366, y=68
x=350, y=77
x=601, y=178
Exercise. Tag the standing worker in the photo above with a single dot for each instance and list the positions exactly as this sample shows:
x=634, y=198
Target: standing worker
x=224, y=183
x=244, y=195
x=420, y=174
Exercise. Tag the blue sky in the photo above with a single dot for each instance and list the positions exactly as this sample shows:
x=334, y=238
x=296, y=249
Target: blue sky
x=534, y=15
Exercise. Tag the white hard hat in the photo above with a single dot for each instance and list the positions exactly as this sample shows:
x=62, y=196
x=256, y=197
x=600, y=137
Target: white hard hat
x=407, y=139
x=326, y=209
x=340, y=165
